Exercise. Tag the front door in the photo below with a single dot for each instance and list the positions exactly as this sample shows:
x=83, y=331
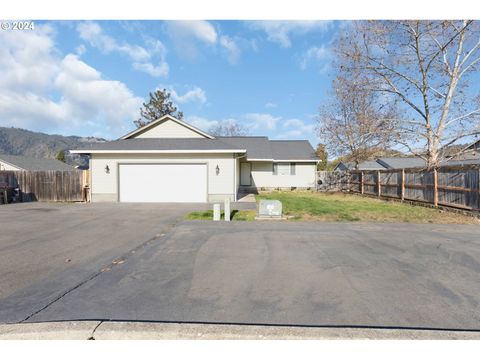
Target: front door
x=245, y=178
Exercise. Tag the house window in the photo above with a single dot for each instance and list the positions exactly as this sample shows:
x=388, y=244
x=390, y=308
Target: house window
x=283, y=169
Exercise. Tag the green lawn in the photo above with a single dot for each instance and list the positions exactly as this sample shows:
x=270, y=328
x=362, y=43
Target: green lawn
x=312, y=206
x=344, y=207
x=235, y=215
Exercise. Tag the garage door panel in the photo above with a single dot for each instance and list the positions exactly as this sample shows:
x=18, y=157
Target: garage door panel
x=163, y=182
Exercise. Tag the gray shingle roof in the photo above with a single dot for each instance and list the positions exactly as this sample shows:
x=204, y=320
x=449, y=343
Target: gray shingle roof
x=35, y=164
x=366, y=165
x=258, y=147
x=292, y=150
x=162, y=144
x=401, y=162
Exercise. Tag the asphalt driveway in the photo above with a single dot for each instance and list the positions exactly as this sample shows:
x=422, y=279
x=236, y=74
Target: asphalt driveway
x=321, y=274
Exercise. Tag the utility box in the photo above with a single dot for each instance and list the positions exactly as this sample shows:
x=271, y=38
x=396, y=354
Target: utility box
x=269, y=209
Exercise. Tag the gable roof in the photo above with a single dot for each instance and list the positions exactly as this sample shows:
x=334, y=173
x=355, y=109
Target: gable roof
x=258, y=148
x=169, y=145
x=401, y=162
x=365, y=165
x=35, y=164
x=160, y=120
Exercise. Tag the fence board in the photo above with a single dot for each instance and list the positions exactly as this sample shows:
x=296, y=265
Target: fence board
x=455, y=186
x=46, y=185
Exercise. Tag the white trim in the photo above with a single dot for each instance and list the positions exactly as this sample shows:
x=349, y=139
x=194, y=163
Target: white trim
x=277, y=160
x=165, y=117
x=157, y=151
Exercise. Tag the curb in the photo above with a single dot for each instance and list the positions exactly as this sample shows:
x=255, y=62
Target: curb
x=106, y=330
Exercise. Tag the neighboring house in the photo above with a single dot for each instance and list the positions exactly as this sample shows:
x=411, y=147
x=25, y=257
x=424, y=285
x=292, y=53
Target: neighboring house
x=365, y=165
x=391, y=163
x=16, y=162
x=169, y=160
x=471, y=156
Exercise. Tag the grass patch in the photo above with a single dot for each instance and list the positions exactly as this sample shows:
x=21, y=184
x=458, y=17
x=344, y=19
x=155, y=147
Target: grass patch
x=303, y=205
x=236, y=215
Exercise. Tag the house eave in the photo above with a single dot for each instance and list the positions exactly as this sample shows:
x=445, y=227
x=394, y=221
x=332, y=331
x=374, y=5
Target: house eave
x=226, y=151
x=286, y=160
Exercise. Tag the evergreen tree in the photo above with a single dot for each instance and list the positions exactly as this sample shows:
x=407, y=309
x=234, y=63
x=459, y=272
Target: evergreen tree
x=158, y=106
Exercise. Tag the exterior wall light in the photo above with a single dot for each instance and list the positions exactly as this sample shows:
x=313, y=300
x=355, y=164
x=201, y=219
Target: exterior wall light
x=107, y=169
x=217, y=170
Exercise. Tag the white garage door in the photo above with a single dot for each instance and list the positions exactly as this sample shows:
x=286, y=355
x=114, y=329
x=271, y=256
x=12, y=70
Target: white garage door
x=163, y=182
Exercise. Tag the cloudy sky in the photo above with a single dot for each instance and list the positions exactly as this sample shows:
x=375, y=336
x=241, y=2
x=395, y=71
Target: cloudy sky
x=90, y=77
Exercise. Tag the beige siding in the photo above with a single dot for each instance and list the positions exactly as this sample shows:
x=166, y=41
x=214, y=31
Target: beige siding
x=104, y=186
x=7, y=166
x=169, y=129
x=262, y=176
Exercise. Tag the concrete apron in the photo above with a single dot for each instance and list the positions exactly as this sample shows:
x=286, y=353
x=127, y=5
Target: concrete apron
x=100, y=330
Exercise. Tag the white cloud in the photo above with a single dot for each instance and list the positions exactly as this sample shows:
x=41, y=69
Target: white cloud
x=186, y=34
x=295, y=128
x=231, y=48
x=201, y=122
x=258, y=120
x=142, y=58
x=206, y=124
x=200, y=29
x=194, y=95
x=281, y=31
x=35, y=70
x=80, y=49
x=270, y=105
x=315, y=54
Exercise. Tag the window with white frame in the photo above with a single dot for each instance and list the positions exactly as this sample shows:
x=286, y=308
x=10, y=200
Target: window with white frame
x=283, y=169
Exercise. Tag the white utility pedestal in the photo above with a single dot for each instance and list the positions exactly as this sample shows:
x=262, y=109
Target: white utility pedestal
x=227, y=209
x=216, y=212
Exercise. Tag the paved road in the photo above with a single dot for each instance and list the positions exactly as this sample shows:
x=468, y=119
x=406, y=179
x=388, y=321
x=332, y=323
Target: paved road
x=47, y=248
x=327, y=274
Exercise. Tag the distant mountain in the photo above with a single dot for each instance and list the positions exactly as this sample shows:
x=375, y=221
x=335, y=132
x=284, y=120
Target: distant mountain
x=14, y=141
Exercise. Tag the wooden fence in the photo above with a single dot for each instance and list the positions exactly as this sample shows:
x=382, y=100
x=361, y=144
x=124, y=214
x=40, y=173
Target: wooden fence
x=449, y=186
x=47, y=185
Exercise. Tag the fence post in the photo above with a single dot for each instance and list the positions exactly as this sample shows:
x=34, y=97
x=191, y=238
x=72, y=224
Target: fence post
x=361, y=182
x=403, y=185
x=435, y=187
x=379, y=186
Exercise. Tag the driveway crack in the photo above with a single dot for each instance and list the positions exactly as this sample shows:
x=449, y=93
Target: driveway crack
x=115, y=262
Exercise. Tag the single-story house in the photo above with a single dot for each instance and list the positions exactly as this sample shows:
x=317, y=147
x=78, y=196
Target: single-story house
x=383, y=163
x=169, y=160
x=25, y=163
x=365, y=165
x=391, y=163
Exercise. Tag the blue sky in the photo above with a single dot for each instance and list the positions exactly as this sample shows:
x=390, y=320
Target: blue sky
x=90, y=77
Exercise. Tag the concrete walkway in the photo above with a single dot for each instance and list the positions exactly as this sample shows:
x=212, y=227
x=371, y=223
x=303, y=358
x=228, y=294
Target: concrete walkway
x=98, y=330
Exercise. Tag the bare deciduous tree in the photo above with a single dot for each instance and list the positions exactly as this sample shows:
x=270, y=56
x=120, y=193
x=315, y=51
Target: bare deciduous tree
x=356, y=124
x=427, y=66
x=228, y=128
